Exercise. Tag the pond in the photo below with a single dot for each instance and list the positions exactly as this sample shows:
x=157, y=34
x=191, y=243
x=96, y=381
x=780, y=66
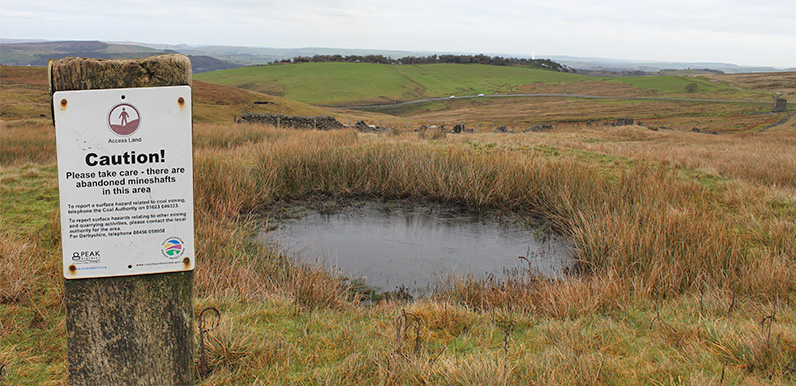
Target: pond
x=410, y=246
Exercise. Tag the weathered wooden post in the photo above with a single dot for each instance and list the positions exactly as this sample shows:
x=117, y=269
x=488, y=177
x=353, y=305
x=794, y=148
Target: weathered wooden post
x=127, y=225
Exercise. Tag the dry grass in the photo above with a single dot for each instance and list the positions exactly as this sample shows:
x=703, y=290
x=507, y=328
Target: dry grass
x=683, y=248
x=24, y=142
x=643, y=224
x=519, y=113
x=781, y=82
x=18, y=275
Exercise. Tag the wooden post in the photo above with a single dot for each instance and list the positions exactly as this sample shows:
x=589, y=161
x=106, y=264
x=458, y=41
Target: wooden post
x=128, y=330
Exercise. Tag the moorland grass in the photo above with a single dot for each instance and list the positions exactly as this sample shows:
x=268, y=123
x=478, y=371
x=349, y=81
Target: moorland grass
x=677, y=280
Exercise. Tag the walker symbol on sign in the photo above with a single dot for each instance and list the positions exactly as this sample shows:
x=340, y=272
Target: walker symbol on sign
x=124, y=119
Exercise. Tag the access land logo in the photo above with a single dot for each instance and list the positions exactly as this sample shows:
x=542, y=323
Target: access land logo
x=124, y=119
x=173, y=247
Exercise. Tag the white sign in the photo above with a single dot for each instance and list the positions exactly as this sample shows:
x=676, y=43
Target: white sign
x=125, y=175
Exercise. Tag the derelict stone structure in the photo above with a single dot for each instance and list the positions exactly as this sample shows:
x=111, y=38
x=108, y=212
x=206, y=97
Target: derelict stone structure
x=321, y=122
x=780, y=104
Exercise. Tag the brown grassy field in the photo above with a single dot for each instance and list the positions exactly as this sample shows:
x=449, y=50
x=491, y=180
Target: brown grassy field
x=780, y=83
x=685, y=263
x=525, y=111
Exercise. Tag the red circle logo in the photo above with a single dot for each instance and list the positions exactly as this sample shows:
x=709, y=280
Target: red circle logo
x=124, y=119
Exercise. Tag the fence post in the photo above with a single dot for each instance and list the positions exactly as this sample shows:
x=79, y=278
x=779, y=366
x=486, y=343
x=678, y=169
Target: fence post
x=128, y=330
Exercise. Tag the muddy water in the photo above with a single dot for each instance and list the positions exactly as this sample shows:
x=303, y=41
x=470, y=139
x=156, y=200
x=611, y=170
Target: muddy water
x=392, y=246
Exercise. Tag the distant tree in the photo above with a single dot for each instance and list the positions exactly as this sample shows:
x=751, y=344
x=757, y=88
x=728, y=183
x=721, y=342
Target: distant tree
x=546, y=64
x=691, y=88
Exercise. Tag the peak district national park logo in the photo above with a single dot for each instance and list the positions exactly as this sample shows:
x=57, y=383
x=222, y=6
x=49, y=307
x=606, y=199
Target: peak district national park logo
x=124, y=119
x=172, y=247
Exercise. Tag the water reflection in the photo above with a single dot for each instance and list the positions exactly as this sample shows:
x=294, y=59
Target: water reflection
x=392, y=246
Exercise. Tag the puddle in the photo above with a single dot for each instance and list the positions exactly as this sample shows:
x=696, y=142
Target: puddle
x=391, y=246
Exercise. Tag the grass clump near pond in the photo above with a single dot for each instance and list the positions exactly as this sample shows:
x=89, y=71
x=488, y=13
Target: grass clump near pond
x=676, y=280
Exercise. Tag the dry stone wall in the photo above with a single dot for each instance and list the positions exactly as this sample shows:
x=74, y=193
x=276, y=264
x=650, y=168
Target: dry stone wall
x=321, y=122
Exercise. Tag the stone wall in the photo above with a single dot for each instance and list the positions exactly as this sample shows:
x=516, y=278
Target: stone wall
x=321, y=122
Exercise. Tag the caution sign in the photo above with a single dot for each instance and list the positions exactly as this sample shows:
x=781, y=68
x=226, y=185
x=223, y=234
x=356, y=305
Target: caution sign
x=125, y=174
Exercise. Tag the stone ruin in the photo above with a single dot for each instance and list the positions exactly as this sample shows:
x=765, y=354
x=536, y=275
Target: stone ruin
x=365, y=128
x=530, y=129
x=705, y=131
x=539, y=128
x=780, y=105
x=621, y=122
x=321, y=122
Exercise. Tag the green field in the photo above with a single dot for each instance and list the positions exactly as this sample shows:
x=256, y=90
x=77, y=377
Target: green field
x=349, y=84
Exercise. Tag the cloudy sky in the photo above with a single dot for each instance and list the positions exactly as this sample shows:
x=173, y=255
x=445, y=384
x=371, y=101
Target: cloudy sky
x=744, y=32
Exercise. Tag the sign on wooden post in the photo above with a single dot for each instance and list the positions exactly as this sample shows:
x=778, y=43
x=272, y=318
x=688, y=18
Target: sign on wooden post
x=123, y=135
x=125, y=178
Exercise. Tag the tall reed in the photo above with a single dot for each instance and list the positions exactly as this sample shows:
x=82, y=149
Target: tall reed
x=638, y=224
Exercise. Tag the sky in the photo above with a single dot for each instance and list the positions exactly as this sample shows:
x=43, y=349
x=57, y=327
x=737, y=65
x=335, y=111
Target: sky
x=743, y=32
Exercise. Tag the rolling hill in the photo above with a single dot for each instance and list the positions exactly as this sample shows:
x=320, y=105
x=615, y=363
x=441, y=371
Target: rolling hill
x=24, y=95
x=351, y=84
x=39, y=53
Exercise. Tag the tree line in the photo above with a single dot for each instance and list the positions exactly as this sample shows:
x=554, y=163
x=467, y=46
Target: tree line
x=461, y=59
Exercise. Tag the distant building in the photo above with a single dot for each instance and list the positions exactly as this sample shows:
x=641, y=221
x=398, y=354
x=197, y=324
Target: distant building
x=779, y=105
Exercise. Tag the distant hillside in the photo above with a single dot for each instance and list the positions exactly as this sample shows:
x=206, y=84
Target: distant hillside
x=355, y=84
x=246, y=56
x=24, y=95
x=208, y=63
x=264, y=55
x=39, y=53
x=346, y=84
x=606, y=65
